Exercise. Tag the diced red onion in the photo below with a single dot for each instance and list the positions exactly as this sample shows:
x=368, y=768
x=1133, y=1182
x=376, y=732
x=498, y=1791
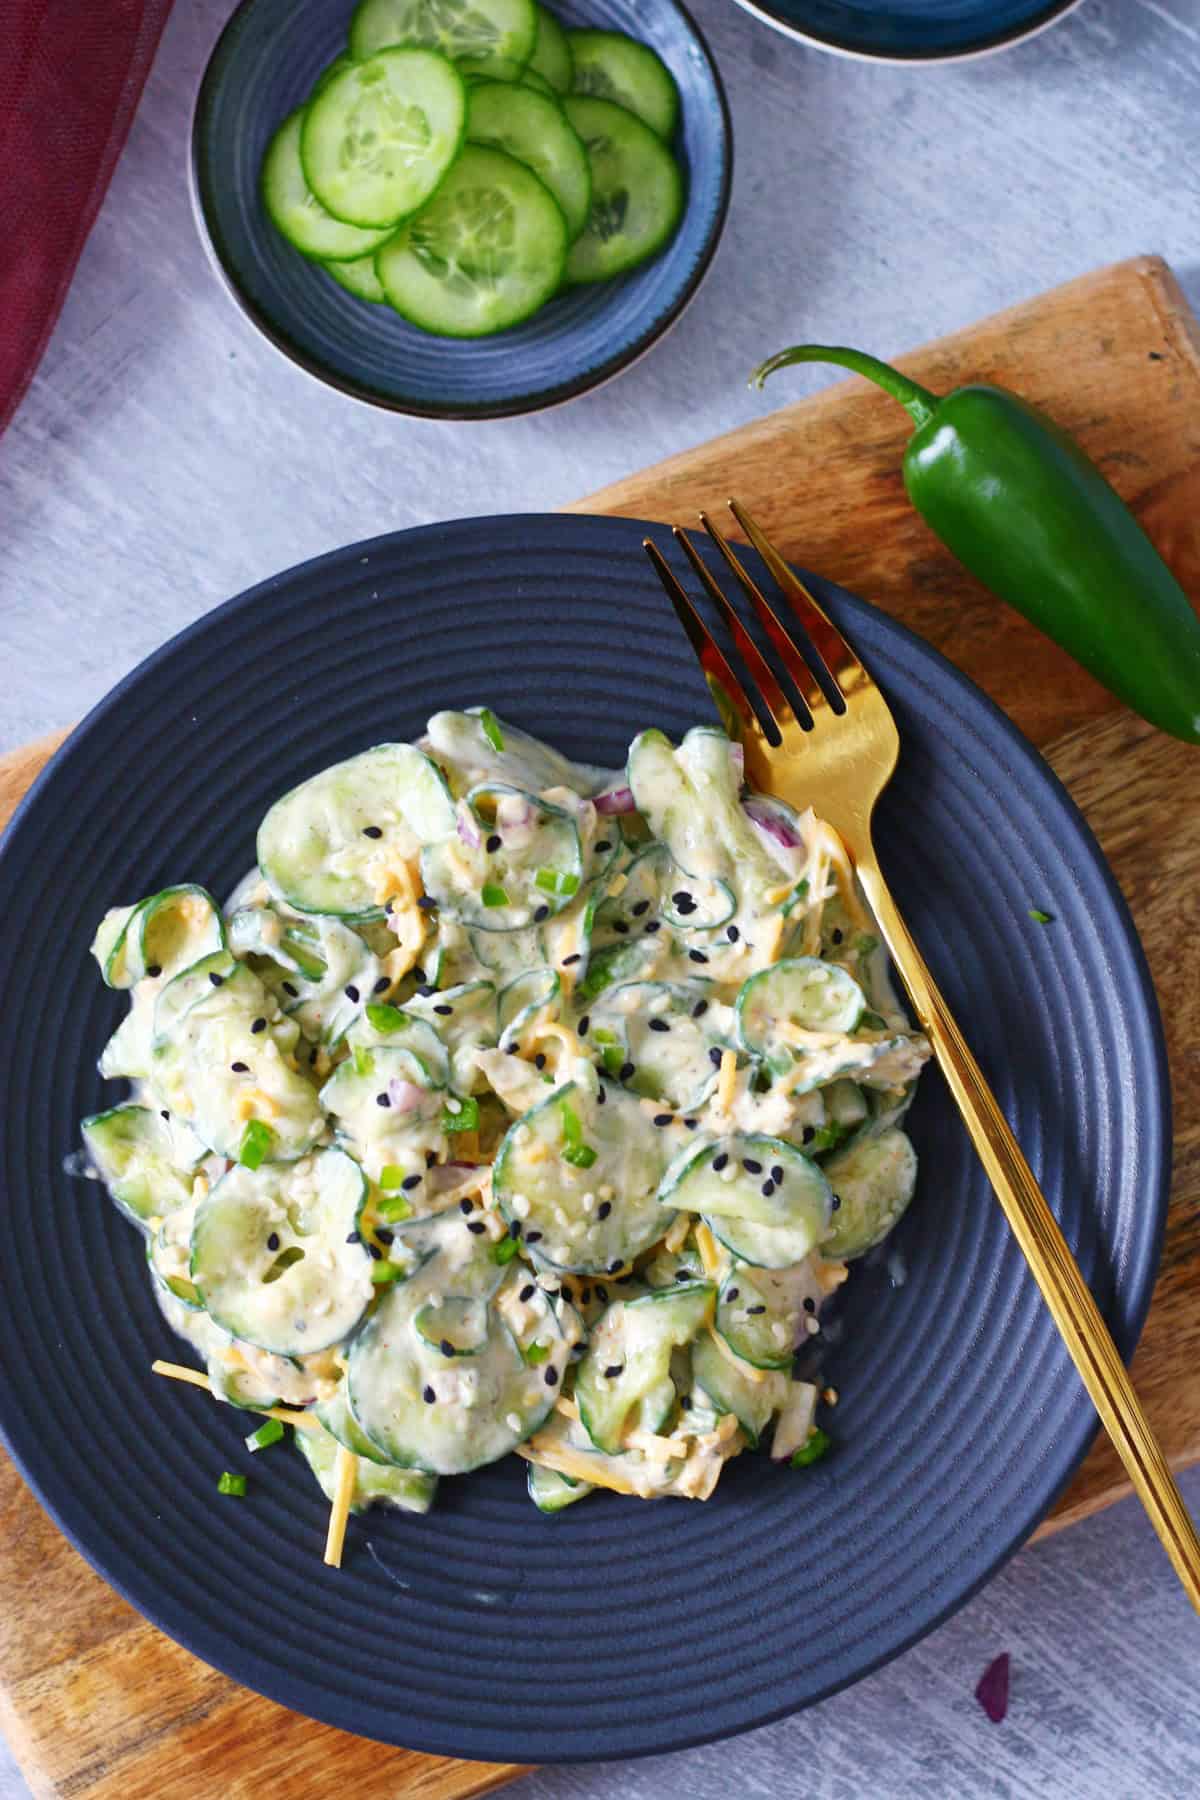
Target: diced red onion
x=447, y=1175
x=616, y=800
x=737, y=757
x=770, y=823
x=466, y=829
x=992, y=1692
x=405, y=1096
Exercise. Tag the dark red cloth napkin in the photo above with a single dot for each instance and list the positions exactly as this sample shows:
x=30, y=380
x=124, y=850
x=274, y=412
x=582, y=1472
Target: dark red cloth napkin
x=71, y=75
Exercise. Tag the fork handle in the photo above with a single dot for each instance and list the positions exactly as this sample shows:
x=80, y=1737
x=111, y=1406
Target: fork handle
x=1045, y=1249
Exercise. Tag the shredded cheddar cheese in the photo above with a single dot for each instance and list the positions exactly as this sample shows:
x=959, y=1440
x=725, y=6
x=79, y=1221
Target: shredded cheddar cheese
x=727, y=1080
x=345, y=1476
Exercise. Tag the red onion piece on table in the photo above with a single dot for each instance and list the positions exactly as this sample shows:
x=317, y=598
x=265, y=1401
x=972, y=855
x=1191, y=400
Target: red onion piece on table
x=992, y=1691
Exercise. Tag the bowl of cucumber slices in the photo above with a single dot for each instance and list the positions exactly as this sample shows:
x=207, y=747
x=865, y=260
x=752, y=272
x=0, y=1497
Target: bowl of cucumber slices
x=461, y=210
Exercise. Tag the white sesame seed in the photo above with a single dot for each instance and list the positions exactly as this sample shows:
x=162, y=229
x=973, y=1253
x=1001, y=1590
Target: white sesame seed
x=513, y=1421
x=520, y=1206
x=811, y=1326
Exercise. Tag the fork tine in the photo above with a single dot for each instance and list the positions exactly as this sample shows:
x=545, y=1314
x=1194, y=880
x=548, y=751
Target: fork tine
x=840, y=662
x=775, y=700
x=809, y=687
x=727, y=692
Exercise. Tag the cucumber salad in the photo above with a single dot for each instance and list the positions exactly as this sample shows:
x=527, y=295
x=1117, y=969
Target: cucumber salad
x=510, y=1106
x=463, y=163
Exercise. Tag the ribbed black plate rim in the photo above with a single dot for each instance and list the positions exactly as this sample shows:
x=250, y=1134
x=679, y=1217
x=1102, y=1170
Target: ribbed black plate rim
x=235, y=1589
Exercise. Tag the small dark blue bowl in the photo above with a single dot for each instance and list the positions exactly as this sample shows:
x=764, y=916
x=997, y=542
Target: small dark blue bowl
x=265, y=63
x=910, y=30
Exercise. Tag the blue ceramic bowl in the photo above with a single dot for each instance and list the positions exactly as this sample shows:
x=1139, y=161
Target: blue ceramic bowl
x=910, y=30
x=265, y=63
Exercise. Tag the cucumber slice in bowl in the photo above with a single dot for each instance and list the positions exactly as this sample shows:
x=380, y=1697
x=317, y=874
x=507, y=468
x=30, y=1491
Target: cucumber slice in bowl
x=158, y=937
x=753, y=1396
x=294, y=209
x=319, y=846
x=551, y=53
x=358, y=277
x=458, y=28
x=759, y=1196
x=379, y=136
x=522, y=862
x=608, y=65
x=873, y=1179
x=485, y=253
x=277, y=1257
x=409, y=1489
x=804, y=992
x=628, y=1360
x=637, y=191
x=132, y=1150
x=532, y=128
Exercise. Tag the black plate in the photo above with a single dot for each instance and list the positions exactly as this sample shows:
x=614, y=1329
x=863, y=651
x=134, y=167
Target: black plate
x=617, y=1628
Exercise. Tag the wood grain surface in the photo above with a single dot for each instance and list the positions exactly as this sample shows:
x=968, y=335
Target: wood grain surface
x=100, y=1706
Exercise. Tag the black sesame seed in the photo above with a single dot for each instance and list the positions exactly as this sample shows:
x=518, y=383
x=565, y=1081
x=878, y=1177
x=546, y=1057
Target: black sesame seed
x=527, y=1292
x=493, y=842
x=372, y=831
x=691, y=1124
x=835, y=1203
x=700, y=1008
x=653, y=926
x=685, y=1404
x=533, y=1237
x=287, y=988
x=573, y=958
x=810, y=1305
x=384, y=1235
x=540, y=913
x=620, y=927
x=383, y=1100
x=659, y=1025
x=777, y=1174
x=375, y=1253
x=751, y=1165
x=551, y=1378
x=431, y=1159
x=273, y=1241
x=683, y=900
x=443, y=1011
x=837, y=937
x=351, y=993
x=613, y=1370
x=477, y=1226
x=582, y=1027
x=410, y=1182
x=663, y=1118
x=733, y=934
x=643, y=906
x=768, y=1188
x=164, y=1114
x=719, y=1161
x=154, y=970
x=418, y=974
x=602, y=1293
x=807, y=1135
x=383, y=983
x=604, y=1208
x=714, y=1057
x=426, y=988
x=514, y=1229
x=683, y=1274
x=446, y=1347
x=754, y=1311
x=426, y=903
x=219, y=980
x=466, y=1207
x=733, y=1293
x=539, y=1061
x=601, y=1096
x=603, y=845
x=626, y=1072
x=259, y=1025
x=614, y=1266
x=697, y=956
x=428, y=1396
x=240, y=1068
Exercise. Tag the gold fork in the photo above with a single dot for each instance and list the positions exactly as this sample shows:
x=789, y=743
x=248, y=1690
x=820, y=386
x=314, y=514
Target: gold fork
x=847, y=757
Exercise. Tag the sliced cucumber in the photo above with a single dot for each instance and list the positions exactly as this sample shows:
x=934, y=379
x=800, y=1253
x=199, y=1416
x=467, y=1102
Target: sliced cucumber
x=552, y=52
x=753, y=1396
x=458, y=28
x=637, y=191
x=168, y=1257
x=610, y=66
x=764, y=1200
x=159, y=936
x=760, y=1312
x=628, y=1359
x=277, y=1256
x=379, y=136
x=551, y=1492
x=358, y=277
x=294, y=209
x=450, y=1413
x=689, y=797
x=531, y=127
x=873, y=1180
x=374, y=1483
x=668, y=1031
x=319, y=970
x=465, y=1020
x=475, y=747
x=131, y=1148
x=321, y=845
x=397, y=1028
x=802, y=991
x=579, y=1178
x=485, y=253
x=475, y=69
x=388, y=1104
x=522, y=1001
x=523, y=865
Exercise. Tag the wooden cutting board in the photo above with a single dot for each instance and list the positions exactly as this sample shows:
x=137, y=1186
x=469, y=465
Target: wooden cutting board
x=97, y=1704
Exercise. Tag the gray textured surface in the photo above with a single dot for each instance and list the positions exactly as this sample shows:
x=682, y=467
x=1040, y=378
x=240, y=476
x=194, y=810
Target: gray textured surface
x=165, y=458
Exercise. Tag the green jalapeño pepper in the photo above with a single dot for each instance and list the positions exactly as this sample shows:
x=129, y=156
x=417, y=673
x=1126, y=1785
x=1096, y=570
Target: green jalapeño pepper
x=1020, y=505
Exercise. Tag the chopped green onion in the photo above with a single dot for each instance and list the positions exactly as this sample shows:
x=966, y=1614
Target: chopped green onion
x=866, y=943
x=557, y=881
x=184, y=1290
x=391, y=1176
x=603, y=1036
x=580, y=1156
x=613, y=1058
x=818, y=1445
x=231, y=1484
x=269, y=1432
x=797, y=894
x=384, y=1017
x=504, y=1251
x=394, y=1207
x=1039, y=917
x=383, y=1273
x=873, y=1022
x=572, y=1129
x=828, y=1136
x=465, y=1119
x=257, y=1142
x=364, y=1062
x=489, y=724
x=492, y=895
x=536, y=1353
